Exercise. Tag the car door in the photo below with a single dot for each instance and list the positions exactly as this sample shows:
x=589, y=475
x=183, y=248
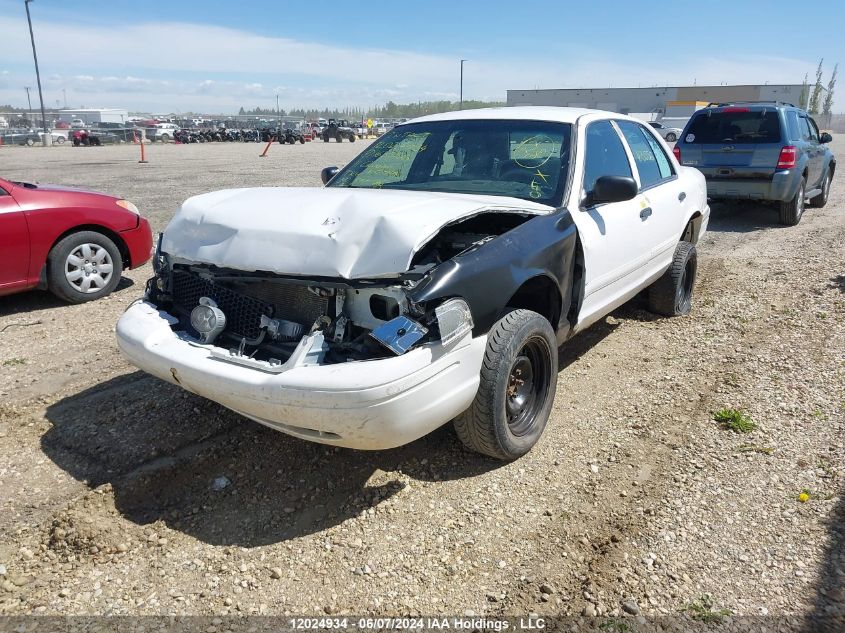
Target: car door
x=815, y=152
x=14, y=243
x=661, y=196
x=611, y=233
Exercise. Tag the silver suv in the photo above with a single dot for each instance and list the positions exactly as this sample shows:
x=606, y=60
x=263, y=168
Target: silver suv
x=766, y=151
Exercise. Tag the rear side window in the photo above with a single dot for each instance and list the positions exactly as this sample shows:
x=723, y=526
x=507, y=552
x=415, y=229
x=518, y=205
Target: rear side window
x=605, y=154
x=754, y=126
x=793, y=126
x=804, y=128
x=651, y=169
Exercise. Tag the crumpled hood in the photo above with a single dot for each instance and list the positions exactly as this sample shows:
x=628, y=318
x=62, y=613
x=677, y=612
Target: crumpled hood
x=320, y=232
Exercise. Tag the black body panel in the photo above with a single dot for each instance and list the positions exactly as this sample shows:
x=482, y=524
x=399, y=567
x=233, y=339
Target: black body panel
x=489, y=276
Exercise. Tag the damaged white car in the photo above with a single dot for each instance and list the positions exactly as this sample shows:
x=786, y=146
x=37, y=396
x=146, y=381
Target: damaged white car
x=431, y=279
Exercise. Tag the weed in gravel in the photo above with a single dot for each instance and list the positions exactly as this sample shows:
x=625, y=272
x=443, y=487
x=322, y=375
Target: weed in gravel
x=14, y=361
x=804, y=497
x=753, y=448
x=703, y=610
x=734, y=420
x=614, y=625
x=819, y=415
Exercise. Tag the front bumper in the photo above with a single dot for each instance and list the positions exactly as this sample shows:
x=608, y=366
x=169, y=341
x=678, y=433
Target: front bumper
x=139, y=243
x=370, y=405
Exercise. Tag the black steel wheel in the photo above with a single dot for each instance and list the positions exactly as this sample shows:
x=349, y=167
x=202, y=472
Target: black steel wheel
x=516, y=388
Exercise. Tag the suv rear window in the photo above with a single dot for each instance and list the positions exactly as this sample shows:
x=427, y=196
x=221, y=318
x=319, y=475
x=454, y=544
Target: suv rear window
x=760, y=126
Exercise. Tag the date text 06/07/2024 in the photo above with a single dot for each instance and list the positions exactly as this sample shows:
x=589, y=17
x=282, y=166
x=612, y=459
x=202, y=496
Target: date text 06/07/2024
x=465, y=623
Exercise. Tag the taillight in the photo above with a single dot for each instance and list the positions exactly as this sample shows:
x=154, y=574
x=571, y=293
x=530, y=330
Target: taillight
x=788, y=157
x=677, y=152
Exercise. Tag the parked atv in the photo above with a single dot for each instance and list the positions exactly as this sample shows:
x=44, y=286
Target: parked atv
x=338, y=129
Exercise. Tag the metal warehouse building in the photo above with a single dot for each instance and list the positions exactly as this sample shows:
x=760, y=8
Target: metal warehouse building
x=95, y=115
x=672, y=103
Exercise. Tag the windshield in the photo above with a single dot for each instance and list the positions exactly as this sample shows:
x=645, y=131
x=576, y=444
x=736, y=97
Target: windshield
x=521, y=159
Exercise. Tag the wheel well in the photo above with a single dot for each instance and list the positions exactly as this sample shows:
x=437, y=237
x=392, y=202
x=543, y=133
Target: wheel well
x=541, y=295
x=693, y=229
x=114, y=237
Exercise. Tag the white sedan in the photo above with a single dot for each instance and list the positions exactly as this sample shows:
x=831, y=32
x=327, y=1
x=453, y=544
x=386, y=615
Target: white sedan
x=671, y=134
x=432, y=279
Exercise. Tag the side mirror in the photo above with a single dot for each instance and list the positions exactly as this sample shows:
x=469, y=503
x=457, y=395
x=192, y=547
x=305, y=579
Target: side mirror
x=611, y=189
x=328, y=173
x=825, y=138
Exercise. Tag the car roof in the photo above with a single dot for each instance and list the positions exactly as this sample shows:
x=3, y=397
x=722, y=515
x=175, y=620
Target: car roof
x=526, y=113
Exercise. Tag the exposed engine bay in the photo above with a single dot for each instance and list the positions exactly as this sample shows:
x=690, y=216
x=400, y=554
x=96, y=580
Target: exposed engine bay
x=264, y=320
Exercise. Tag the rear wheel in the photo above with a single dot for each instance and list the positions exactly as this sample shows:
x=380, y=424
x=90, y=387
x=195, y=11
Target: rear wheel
x=671, y=138
x=671, y=295
x=60, y=140
x=516, y=390
x=821, y=199
x=792, y=210
x=165, y=138
x=83, y=266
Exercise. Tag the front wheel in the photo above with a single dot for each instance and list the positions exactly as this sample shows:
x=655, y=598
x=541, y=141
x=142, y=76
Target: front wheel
x=164, y=138
x=84, y=266
x=671, y=137
x=792, y=210
x=352, y=138
x=60, y=140
x=516, y=390
x=671, y=295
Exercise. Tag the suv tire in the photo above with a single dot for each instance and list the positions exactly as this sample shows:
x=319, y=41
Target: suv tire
x=517, y=388
x=820, y=200
x=792, y=210
x=671, y=295
x=671, y=138
x=63, y=265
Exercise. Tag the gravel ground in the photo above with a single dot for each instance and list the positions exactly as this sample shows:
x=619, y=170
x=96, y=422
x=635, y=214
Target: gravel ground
x=120, y=494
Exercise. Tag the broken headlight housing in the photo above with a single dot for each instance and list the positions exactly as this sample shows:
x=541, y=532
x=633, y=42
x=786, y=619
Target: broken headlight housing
x=454, y=320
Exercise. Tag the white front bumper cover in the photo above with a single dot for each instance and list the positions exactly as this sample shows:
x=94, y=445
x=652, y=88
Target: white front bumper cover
x=371, y=405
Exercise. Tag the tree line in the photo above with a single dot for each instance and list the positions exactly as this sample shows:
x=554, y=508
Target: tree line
x=390, y=110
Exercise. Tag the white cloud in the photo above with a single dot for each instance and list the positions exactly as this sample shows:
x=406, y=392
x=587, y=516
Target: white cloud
x=190, y=66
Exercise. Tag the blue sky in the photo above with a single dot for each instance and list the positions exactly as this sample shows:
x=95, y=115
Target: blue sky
x=215, y=56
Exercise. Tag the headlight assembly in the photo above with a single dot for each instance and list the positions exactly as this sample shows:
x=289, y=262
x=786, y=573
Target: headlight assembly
x=128, y=206
x=454, y=320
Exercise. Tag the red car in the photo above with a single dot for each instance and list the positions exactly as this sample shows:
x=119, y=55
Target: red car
x=73, y=242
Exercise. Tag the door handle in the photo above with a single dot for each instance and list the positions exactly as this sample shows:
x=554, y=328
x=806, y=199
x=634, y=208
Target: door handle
x=682, y=196
x=645, y=213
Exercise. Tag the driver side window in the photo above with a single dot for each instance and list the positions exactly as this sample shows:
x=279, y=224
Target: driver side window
x=604, y=154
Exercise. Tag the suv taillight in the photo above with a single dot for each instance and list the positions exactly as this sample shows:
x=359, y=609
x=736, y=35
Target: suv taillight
x=677, y=152
x=788, y=157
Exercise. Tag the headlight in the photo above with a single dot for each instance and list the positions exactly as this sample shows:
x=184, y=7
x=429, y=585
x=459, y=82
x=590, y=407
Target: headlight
x=128, y=206
x=454, y=320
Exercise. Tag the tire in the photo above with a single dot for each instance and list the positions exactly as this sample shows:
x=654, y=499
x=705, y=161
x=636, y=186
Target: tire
x=325, y=138
x=671, y=138
x=164, y=138
x=302, y=140
x=671, y=295
x=70, y=273
x=501, y=423
x=792, y=210
x=30, y=142
x=351, y=138
x=60, y=140
x=820, y=200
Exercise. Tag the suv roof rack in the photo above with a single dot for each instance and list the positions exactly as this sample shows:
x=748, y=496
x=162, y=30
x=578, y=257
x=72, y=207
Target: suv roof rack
x=732, y=103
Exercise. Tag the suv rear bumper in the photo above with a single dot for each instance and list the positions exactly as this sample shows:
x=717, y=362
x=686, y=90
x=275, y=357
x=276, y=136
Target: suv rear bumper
x=780, y=187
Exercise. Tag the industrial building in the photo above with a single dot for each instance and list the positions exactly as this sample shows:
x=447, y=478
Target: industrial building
x=94, y=115
x=672, y=104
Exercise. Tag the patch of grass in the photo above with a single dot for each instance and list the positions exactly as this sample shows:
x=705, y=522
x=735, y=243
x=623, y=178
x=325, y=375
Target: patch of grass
x=734, y=420
x=615, y=625
x=819, y=414
x=704, y=610
x=14, y=361
x=753, y=448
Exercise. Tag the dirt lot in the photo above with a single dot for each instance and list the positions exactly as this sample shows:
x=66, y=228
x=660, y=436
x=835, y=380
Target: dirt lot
x=120, y=494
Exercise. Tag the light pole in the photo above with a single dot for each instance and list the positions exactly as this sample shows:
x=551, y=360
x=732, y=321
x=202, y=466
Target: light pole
x=37, y=73
x=28, y=100
x=462, y=78
x=64, y=96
